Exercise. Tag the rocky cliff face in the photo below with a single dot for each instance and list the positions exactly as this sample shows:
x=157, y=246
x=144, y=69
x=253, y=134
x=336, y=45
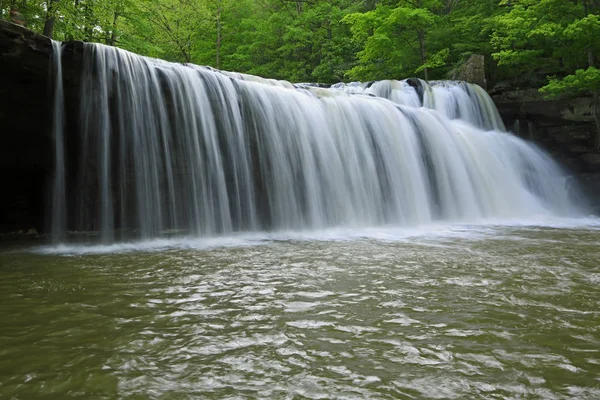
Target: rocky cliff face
x=565, y=128
x=25, y=114
x=26, y=149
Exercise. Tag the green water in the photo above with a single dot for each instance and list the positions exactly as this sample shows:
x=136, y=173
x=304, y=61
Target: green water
x=464, y=313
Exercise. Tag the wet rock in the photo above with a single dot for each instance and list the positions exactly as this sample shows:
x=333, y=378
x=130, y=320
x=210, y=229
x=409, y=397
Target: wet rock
x=592, y=160
x=563, y=127
x=472, y=70
x=578, y=149
x=26, y=87
x=565, y=138
x=589, y=185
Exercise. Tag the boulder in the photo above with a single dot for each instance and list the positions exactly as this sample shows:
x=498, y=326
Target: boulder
x=472, y=70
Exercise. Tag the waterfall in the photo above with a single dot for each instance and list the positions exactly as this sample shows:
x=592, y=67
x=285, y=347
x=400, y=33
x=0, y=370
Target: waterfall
x=453, y=99
x=59, y=214
x=167, y=148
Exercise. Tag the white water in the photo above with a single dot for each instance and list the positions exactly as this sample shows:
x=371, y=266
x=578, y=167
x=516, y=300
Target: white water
x=429, y=235
x=58, y=190
x=453, y=99
x=167, y=147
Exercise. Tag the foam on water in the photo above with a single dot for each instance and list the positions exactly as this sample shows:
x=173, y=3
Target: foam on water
x=431, y=235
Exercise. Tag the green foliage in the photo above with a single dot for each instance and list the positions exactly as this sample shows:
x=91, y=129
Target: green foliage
x=402, y=27
x=583, y=80
x=402, y=38
x=545, y=37
x=303, y=41
x=557, y=37
x=435, y=61
x=333, y=40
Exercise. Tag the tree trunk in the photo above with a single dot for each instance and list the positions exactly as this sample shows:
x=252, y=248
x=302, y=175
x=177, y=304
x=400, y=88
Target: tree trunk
x=113, y=33
x=422, y=48
x=219, y=36
x=423, y=52
x=186, y=55
x=49, y=26
x=50, y=19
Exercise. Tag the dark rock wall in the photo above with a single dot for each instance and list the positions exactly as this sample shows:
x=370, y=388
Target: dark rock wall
x=565, y=128
x=26, y=107
x=25, y=112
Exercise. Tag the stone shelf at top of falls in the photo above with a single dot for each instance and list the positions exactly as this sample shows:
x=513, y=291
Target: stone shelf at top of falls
x=454, y=99
x=153, y=146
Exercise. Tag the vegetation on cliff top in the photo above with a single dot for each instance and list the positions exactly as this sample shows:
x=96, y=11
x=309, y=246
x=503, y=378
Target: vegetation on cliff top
x=333, y=40
x=550, y=44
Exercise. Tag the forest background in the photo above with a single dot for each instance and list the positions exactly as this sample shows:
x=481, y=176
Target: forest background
x=551, y=44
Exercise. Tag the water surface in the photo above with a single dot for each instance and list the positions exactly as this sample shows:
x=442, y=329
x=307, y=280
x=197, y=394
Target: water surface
x=459, y=311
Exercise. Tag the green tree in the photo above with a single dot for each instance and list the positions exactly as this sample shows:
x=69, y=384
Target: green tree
x=296, y=40
x=223, y=32
x=465, y=29
x=178, y=24
x=557, y=38
x=394, y=39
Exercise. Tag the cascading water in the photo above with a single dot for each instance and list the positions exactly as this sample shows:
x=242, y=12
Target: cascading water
x=58, y=189
x=454, y=99
x=167, y=147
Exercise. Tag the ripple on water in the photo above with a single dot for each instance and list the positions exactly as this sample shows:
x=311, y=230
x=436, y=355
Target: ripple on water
x=471, y=312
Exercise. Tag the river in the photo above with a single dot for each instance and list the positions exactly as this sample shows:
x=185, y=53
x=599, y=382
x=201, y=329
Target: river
x=445, y=311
